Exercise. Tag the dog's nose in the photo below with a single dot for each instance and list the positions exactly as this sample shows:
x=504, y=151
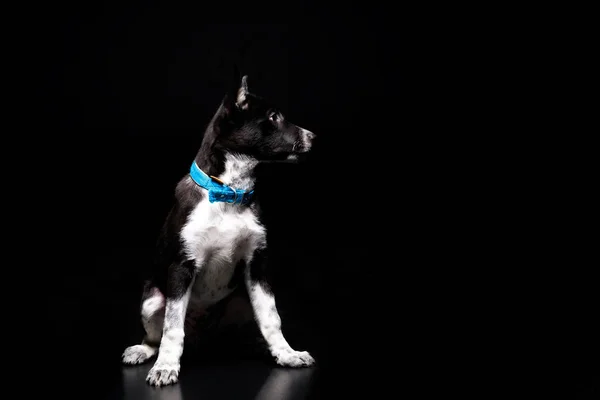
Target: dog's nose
x=309, y=135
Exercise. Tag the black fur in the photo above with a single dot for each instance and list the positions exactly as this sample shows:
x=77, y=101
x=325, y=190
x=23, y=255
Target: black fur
x=259, y=270
x=238, y=274
x=254, y=127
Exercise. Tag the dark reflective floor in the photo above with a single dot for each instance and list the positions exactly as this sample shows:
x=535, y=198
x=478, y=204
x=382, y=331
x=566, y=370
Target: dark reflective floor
x=235, y=380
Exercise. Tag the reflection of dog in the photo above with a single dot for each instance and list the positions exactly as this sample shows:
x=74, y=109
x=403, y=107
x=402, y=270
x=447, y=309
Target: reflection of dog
x=280, y=383
x=213, y=237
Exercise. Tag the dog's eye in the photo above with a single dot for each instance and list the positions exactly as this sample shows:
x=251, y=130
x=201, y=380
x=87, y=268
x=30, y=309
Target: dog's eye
x=274, y=116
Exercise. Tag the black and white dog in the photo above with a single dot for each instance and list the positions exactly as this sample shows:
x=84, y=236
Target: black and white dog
x=213, y=237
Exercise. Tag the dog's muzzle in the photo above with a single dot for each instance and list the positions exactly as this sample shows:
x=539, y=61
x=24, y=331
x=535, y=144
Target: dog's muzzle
x=306, y=139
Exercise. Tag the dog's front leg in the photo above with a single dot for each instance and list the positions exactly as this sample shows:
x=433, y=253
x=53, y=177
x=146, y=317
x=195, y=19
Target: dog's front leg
x=166, y=368
x=267, y=317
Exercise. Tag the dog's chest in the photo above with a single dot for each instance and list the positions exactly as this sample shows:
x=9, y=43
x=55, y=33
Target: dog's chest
x=217, y=236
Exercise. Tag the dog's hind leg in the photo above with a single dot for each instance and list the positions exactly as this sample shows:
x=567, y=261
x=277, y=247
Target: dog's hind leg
x=165, y=370
x=267, y=317
x=153, y=313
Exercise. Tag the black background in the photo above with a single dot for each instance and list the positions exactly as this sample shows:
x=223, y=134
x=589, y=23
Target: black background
x=396, y=244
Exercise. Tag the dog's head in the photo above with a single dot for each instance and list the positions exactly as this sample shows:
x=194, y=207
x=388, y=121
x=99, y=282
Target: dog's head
x=249, y=124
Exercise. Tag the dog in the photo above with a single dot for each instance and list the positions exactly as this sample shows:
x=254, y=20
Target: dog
x=213, y=239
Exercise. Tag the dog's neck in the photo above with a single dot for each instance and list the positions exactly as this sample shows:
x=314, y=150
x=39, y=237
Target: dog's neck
x=239, y=171
x=233, y=169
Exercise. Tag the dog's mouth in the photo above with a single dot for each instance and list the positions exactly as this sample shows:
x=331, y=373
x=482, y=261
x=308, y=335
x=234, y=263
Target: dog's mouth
x=299, y=148
x=299, y=151
x=289, y=158
x=298, y=156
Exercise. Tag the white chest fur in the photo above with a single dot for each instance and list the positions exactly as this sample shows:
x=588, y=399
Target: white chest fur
x=217, y=236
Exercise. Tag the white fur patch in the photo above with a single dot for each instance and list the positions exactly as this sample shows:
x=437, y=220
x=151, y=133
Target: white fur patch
x=219, y=235
x=153, y=304
x=269, y=323
x=138, y=354
x=165, y=370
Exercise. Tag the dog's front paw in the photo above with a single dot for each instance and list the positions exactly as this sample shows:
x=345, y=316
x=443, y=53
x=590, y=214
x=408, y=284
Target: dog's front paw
x=163, y=374
x=292, y=358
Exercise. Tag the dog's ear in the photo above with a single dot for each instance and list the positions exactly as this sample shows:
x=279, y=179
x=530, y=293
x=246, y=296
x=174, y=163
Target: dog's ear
x=238, y=97
x=241, y=100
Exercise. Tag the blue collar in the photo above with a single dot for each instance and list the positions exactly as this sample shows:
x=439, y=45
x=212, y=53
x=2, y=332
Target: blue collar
x=217, y=190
